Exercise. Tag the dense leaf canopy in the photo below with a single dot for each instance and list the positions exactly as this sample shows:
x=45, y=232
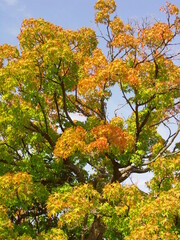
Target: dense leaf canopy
x=62, y=178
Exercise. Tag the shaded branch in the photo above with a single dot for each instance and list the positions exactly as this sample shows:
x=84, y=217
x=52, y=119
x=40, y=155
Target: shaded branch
x=58, y=113
x=35, y=128
x=75, y=169
x=44, y=115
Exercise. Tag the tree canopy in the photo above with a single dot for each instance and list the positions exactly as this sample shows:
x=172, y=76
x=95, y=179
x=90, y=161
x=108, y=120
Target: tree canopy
x=62, y=178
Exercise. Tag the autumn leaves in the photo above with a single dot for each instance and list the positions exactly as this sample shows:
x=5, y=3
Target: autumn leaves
x=98, y=140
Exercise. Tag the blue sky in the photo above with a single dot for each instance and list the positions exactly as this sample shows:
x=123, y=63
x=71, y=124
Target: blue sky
x=67, y=13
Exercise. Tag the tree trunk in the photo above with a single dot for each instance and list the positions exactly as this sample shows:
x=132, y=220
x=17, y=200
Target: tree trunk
x=97, y=230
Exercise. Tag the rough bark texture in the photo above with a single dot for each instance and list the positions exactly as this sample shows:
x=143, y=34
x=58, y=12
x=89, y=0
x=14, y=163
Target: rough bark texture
x=97, y=230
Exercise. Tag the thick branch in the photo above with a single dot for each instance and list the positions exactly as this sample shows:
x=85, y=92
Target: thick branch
x=7, y=162
x=97, y=229
x=35, y=128
x=26, y=147
x=75, y=169
x=137, y=123
x=103, y=112
x=145, y=119
x=58, y=113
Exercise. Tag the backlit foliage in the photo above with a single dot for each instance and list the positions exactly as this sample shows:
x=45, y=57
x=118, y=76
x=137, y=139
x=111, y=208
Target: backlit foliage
x=62, y=178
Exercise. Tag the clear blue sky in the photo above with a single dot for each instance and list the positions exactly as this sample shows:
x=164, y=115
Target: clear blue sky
x=67, y=13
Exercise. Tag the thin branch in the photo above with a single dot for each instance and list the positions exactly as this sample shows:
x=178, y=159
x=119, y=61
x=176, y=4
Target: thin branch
x=64, y=102
x=171, y=154
x=165, y=119
x=149, y=100
x=137, y=187
x=15, y=150
x=119, y=108
x=164, y=149
x=170, y=134
x=126, y=97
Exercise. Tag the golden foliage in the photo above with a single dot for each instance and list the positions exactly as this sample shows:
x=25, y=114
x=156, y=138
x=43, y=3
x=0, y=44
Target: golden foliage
x=104, y=8
x=71, y=140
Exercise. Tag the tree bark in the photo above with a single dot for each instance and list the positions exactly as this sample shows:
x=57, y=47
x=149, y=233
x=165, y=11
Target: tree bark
x=97, y=230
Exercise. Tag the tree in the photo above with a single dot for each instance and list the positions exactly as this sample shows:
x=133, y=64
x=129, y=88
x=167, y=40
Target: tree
x=62, y=178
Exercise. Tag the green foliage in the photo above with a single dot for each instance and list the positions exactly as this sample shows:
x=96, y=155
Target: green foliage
x=64, y=179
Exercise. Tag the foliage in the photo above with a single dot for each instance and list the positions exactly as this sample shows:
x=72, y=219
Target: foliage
x=64, y=179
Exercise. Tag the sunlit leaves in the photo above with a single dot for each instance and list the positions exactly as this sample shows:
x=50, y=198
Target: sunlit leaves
x=73, y=205
x=7, y=53
x=104, y=8
x=121, y=72
x=170, y=9
x=109, y=134
x=16, y=187
x=76, y=139
x=62, y=178
x=6, y=226
x=158, y=218
x=35, y=32
x=128, y=196
x=95, y=76
x=166, y=174
x=117, y=26
x=117, y=121
x=71, y=140
x=158, y=34
x=55, y=234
